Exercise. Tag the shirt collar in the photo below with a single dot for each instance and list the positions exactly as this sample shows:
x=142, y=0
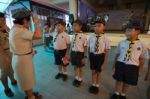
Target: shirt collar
x=133, y=41
x=100, y=35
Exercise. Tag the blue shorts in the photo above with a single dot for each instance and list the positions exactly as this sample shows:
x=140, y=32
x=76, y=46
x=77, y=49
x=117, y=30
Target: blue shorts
x=76, y=58
x=126, y=73
x=96, y=61
x=58, y=55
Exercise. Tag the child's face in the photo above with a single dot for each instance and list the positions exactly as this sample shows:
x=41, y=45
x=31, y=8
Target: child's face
x=76, y=27
x=131, y=33
x=99, y=28
x=59, y=27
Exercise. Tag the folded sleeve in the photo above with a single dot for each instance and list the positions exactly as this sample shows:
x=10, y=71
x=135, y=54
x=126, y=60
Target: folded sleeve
x=107, y=44
x=26, y=34
x=145, y=52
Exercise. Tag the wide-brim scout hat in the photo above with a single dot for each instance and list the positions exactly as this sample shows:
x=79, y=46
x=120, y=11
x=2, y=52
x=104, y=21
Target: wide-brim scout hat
x=21, y=14
x=100, y=20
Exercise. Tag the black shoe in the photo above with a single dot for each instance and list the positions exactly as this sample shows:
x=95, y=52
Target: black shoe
x=9, y=93
x=115, y=96
x=122, y=97
x=58, y=76
x=92, y=89
x=64, y=77
x=36, y=94
x=96, y=90
x=79, y=83
x=75, y=82
x=14, y=83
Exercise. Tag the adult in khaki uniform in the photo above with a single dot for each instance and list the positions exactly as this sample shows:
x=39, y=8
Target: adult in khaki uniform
x=5, y=57
x=21, y=47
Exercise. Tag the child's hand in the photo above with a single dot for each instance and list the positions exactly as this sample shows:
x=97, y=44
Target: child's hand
x=67, y=57
x=147, y=78
x=103, y=67
x=113, y=70
x=140, y=71
x=83, y=61
x=34, y=52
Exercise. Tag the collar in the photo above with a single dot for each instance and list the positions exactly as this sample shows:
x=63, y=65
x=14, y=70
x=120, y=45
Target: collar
x=132, y=42
x=99, y=35
x=20, y=26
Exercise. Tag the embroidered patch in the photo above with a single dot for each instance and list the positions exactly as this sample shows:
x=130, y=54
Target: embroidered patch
x=79, y=37
x=62, y=36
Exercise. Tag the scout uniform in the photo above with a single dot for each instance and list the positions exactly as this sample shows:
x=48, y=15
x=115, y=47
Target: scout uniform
x=20, y=39
x=6, y=68
x=61, y=41
x=127, y=65
x=77, y=49
x=97, y=45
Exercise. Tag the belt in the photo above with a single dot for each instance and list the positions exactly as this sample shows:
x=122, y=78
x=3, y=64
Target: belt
x=6, y=49
x=97, y=54
x=23, y=54
x=77, y=52
x=59, y=50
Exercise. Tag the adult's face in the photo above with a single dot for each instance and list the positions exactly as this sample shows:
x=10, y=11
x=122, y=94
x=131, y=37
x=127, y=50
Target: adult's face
x=2, y=22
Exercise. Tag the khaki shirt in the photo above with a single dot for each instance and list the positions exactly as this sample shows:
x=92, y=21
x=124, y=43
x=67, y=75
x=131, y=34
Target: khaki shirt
x=61, y=40
x=138, y=50
x=79, y=42
x=103, y=41
x=20, y=40
x=4, y=33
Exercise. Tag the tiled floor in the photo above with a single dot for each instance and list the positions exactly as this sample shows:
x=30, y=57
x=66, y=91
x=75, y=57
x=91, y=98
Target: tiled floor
x=57, y=89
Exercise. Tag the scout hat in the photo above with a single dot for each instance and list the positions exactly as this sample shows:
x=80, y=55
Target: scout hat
x=21, y=14
x=102, y=21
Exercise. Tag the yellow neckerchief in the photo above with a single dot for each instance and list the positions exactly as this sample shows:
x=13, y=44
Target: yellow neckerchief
x=97, y=42
x=75, y=38
x=57, y=36
x=128, y=54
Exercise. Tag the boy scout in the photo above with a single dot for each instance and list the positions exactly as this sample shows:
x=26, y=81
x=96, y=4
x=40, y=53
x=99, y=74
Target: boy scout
x=98, y=50
x=20, y=39
x=78, y=49
x=61, y=50
x=5, y=57
x=129, y=61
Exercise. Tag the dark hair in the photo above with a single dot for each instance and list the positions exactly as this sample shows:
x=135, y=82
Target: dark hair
x=20, y=20
x=135, y=25
x=78, y=22
x=138, y=29
x=2, y=15
x=100, y=22
x=61, y=22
